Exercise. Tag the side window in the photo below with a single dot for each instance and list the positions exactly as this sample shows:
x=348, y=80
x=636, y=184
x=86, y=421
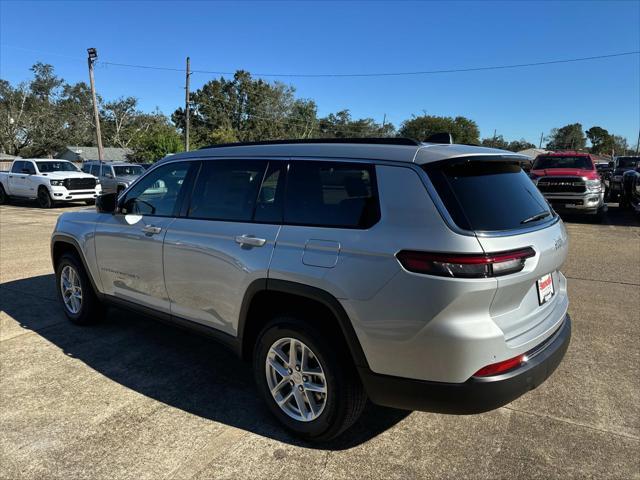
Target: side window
x=157, y=193
x=95, y=170
x=332, y=195
x=227, y=190
x=28, y=167
x=17, y=167
x=86, y=168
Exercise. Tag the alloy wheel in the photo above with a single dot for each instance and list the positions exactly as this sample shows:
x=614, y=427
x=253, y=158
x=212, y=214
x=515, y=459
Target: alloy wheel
x=71, y=289
x=296, y=379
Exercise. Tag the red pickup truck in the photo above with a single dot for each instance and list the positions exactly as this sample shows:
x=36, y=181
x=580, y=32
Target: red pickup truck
x=570, y=182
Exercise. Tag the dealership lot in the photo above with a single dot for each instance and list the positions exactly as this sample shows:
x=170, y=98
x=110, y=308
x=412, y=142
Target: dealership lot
x=133, y=398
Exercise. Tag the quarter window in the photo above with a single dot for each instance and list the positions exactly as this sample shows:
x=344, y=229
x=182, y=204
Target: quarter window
x=331, y=195
x=157, y=194
x=227, y=190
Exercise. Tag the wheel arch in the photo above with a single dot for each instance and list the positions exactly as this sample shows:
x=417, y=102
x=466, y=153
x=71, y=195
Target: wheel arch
x=265, y=297
x=61, y=244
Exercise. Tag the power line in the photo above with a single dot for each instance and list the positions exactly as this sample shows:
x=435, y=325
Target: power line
x=380, y=74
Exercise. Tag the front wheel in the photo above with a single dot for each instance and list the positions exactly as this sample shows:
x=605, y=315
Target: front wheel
x=308, y=384
x=79, y=301
x=44, y=199
x=4, y=198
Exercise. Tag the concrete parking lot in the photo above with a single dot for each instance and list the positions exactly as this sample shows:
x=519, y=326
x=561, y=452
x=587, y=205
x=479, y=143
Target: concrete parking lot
x=133, y=398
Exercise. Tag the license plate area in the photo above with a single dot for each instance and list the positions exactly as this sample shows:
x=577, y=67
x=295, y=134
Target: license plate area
x=545, y=287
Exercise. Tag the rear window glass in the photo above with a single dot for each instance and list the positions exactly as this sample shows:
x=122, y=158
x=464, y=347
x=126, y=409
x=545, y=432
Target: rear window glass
x=488, y=195
x=569, y=161
x=331, y=194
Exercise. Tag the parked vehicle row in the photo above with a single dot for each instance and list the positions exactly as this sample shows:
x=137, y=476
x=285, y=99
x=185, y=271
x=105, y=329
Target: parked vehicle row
x=114, y=176
x=423, y=276
x=48, y=182
x=619, y=167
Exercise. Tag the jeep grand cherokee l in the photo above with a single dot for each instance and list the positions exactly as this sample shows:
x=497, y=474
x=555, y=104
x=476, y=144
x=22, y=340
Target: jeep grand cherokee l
x=420, y=276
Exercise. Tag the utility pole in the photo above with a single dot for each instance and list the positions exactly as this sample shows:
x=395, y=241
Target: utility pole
x=493, y=140
x=638, y=144
x=541, y=138
x=93, y=54
x=186, y=107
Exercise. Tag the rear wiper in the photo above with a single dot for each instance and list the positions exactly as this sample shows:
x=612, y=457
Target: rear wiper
x=537, y=216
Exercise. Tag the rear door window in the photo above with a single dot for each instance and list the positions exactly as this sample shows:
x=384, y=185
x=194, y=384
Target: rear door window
x=488, y=195
x=331, y=194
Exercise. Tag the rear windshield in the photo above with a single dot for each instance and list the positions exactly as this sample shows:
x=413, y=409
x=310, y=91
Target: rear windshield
x=485, y=195
x=569, y=161
x=628, y=162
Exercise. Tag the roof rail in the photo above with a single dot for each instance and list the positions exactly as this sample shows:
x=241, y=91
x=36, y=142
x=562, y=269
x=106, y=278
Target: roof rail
x=359, y=140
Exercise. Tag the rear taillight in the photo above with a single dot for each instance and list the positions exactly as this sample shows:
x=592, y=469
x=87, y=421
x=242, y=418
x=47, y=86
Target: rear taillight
x=500, y=367
x=480, y=265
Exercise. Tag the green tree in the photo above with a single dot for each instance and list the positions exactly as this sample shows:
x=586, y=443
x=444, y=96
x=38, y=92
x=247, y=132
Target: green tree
x=158, y=141
x=569, y=137
x=601, y=140
x=495, y=142
x=462, y=129
x=341, y=125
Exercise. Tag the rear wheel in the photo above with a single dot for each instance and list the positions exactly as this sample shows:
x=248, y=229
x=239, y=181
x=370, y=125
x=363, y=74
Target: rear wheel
x=4, y=198
x=44, y=199
x=79, y=301
x=310, y=386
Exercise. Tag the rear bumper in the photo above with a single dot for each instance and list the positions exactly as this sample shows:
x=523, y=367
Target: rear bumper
x=476, y=395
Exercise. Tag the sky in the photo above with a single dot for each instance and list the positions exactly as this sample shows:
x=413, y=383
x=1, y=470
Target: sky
x=355, y=37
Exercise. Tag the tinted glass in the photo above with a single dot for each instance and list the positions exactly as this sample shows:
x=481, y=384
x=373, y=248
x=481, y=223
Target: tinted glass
x=17, y=167
x=227, y=190
x=28, y=167
x=331, y=194
x=128, y=170
x=488, y=196
x=569, y=161
x=95, y=170
x=270, y=201
x=86, y=168
x=48, y=167
x=629, y=162
x=157, y=194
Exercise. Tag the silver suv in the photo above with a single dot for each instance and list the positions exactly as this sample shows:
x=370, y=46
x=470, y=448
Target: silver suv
x=114, y=176
x=420, y=276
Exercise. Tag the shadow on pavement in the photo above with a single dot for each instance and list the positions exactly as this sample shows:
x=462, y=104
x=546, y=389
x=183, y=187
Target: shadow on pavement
x=24, y=203
x=173, y=366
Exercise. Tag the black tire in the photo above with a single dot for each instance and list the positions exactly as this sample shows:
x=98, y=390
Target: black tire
x=4, y=198
x=44, y=199
x=90, y=202
x=91, y=310
x=345, y=397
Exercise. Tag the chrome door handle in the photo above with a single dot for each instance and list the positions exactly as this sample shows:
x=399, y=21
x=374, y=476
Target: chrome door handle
x=151, y=229
x=250, y=240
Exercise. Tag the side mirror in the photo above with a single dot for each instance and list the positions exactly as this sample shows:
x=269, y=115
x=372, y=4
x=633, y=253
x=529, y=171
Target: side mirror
x=108, y=175
x=107, y=203
x=610, y=164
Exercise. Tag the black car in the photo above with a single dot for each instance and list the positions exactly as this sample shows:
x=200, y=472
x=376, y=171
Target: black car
x=620, y=165
x=630, y=196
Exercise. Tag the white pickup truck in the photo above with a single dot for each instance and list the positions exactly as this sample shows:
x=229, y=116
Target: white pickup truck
x=48, y=181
